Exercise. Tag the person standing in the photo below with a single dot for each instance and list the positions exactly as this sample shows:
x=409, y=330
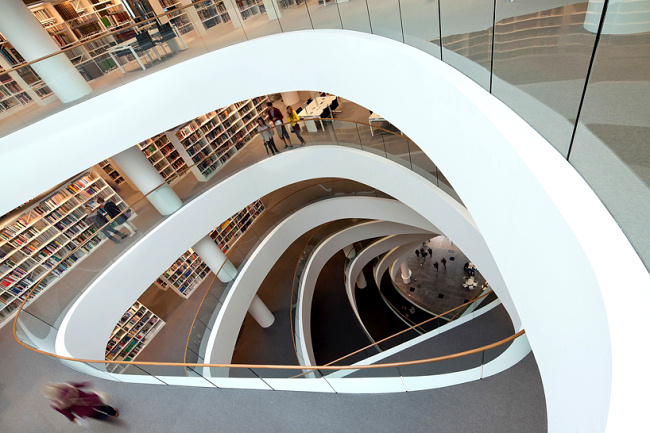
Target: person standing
x=295, y=127
x=276, y=117
x=267, y=135
x=101, y=223
x=417, y=253
x=430, y=252
x=75, y=404
x=114, y=212
x=444, y=262
x=435, y=265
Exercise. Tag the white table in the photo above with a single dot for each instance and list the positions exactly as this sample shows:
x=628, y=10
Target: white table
x=314, y=111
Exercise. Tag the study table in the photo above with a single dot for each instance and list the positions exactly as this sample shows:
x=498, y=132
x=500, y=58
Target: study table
x=374, y=117
x=314, y=110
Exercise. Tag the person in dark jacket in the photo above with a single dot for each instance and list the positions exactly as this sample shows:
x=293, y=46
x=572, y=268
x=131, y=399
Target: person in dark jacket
x=101, y=223
x=77, y=405
x=113, y=212
x=276, y=118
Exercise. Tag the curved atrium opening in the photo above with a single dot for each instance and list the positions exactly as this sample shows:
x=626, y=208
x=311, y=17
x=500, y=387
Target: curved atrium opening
x=210, y=224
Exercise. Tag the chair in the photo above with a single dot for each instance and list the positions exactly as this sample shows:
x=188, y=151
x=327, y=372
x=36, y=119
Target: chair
x=145, y=44
x=333, y=106
x=166, y=33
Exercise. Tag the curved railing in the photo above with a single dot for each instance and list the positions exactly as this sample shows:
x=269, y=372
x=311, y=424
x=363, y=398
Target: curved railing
x=48, y=308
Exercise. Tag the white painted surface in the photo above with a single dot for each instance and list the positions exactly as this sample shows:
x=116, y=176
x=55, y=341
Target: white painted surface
x=589, y=367
x=261, y=312
x=322, y=254
x=222, y=339
x=305, y=384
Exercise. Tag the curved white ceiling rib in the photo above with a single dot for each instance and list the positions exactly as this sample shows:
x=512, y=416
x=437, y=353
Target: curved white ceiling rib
x=222, y=339
x=539, y=218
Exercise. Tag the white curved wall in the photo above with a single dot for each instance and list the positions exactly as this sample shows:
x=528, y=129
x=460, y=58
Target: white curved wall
x=533, y=209
x=221, y=341
x=323, y=253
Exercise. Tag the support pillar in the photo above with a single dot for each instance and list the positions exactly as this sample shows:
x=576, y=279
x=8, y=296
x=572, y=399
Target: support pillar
x=234, y=14
x=216, y=260
x=261, y=312
x=361, y=281
x=20, y=27
x=290, y=98
x=272, y=10
x=146, y=178
x=406, y=272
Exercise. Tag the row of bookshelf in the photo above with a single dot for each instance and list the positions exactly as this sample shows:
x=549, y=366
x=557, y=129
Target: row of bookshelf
x=43, y=236
x=231, y=229
x=133, y=332
x=184, y=275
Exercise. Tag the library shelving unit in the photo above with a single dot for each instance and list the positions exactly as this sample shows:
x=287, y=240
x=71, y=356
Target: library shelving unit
x=134, y=331
x=185, y=275
x=107, y=166
x=212, y=12
x=37, y=237
x=212, y=139
x=231, y=229
x=164, y=156
x=179, y=19
x=248, y=8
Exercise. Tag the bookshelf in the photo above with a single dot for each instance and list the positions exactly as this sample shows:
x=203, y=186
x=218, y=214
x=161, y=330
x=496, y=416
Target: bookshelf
x=22, y=87
x=212, y=12
x=164, y=157
x=133, y=332
x=108, y=166
x=185, y=275
x=38, y=238
x=248, y=8
x=231, y=229
x=212, y=139
x=179, y=19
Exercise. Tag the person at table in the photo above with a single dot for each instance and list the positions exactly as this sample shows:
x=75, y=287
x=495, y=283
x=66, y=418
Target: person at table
x=267, y=135
x=276, y=118
x=295, y=127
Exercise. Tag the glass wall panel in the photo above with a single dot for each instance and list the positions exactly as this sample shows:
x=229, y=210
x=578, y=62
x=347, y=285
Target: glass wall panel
x=293, y=15
x=385, y=18
x=467, y=37
x=324, y=14
x=355, y=15
x=420, y=22
x=541, y=57
x=610, y=149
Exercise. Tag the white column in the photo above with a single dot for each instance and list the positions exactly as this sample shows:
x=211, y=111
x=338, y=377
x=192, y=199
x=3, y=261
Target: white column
x=261, y=312
x=20, y=27
x=233, y=11
x=406, y=272
x=290, y=98
x=158, y=10
x=216, y=260
x=361, y=281
x=272, y=9
x=146, y=178
x=349, y=251
x=194, y=18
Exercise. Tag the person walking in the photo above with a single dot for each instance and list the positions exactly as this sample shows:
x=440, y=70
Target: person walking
x=267, y=135
x=100, y=222
x=276, y=117
x=417, y=253
x=430, y=252
x=295, y=127
x=75, y=404
x=444, y=262
x=435, y=265
x=114, y=212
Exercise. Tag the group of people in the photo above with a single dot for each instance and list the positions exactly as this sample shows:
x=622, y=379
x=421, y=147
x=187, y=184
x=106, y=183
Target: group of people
x=424, y=252
x=276, y=119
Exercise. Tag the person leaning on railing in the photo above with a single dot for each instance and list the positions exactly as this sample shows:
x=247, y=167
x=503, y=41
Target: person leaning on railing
x=116, y=216
x=101, y=223
x=295, y=127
